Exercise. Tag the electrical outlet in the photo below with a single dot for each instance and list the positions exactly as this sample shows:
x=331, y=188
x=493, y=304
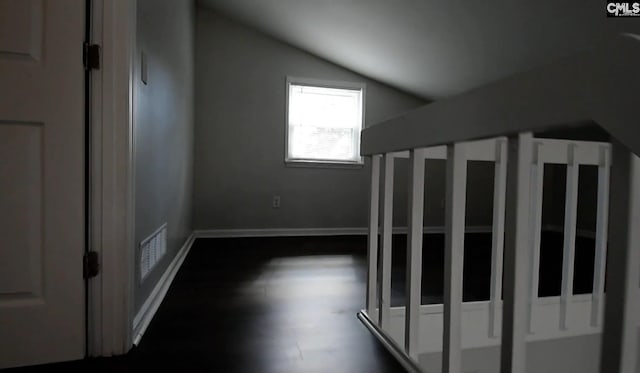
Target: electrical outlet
x=276, y=202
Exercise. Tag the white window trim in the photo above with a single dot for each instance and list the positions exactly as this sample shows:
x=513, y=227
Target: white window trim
x=297, y=162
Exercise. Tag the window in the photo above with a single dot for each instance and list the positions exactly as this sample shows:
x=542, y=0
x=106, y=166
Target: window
x=324, y=120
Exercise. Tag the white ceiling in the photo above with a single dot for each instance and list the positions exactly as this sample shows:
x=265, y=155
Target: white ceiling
x=431, y=48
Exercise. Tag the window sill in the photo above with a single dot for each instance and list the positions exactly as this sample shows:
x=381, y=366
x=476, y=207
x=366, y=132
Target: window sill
x=321, y=164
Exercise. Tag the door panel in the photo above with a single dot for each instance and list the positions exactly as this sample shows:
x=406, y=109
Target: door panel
x=21, y=29
x=21, y=170
x=41, y=181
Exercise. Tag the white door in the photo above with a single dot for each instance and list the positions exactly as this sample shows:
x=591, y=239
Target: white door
x=41, y=181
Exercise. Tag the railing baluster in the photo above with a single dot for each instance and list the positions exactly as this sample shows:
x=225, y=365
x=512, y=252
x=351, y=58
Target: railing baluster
x=497, y=244
x=602, y=222
x=619, y=345
x=372, y=253
x=454, y=258
x=569, y=247
x=537, y=185
x=517, y=255
x=414, y=252
x=384, y=302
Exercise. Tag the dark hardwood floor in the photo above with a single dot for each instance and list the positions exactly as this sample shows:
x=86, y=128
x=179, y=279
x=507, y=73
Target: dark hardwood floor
x=259, y=305
x=289, y=304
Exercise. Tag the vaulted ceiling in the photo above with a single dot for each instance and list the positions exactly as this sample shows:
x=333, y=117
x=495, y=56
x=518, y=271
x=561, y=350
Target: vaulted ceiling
x=431, y=48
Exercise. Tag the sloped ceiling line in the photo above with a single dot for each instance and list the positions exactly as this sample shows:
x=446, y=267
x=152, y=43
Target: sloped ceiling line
x=431, y=48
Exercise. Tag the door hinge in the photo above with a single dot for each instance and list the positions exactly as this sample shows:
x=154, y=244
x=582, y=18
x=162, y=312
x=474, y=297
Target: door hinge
x=91, y=265
x=91, y=56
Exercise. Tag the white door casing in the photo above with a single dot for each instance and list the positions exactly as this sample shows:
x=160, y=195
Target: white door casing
x=41, y=181
x=110, y=316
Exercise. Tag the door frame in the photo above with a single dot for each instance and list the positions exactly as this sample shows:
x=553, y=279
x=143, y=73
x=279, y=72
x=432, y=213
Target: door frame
x=110, y=294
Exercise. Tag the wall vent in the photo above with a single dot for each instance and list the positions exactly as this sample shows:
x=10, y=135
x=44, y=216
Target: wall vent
x=152, y=249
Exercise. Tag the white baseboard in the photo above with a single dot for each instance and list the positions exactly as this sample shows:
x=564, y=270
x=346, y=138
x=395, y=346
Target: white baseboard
x=297, y=232
x=355, y=231
x=148, y=310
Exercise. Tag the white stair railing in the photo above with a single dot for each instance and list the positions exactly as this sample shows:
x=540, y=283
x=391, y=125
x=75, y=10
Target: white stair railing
x=414, y=252
x=455, y=206
x=372, y=252
x=497, y=237
x=593, y=89
x=516, y=255
x=537, y=185
x=517, y=226
x=602, y=223
x=384, y=302
x=620, y=332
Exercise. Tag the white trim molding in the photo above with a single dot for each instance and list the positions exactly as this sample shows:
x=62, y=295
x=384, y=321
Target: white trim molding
x=358, y=160
x=313, y=232
x=149, y=308
x=110, y=303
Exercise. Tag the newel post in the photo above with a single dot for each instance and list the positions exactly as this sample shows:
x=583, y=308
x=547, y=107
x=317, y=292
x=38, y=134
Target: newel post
x=620, y=331
x=517, y=258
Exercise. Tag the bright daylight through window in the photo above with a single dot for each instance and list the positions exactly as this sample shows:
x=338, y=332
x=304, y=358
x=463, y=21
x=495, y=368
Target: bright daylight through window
x=324, y=120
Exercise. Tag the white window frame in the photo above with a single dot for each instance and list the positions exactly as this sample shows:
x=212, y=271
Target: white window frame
x=298, y=162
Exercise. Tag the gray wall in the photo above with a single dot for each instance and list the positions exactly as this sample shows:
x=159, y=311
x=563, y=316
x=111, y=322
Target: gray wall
x=239, y=144
x=163, y=129
x=240, y=124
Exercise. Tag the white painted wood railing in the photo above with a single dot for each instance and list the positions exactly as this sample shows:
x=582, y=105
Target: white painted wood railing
x=597, y=88
x=536, y=313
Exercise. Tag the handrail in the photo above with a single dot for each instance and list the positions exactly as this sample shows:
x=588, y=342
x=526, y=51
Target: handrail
x=598, y=86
